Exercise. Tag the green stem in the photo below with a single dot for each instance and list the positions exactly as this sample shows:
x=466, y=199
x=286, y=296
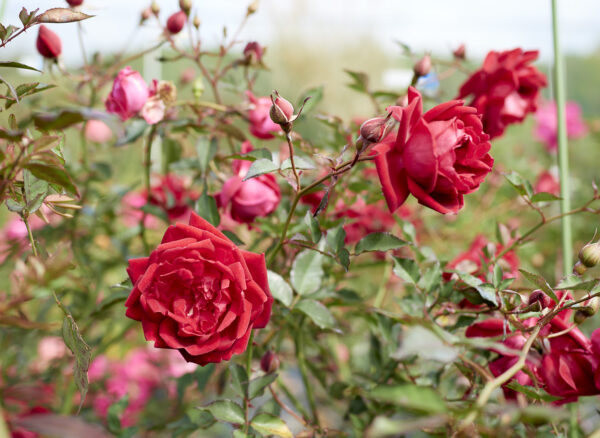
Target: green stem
x=299, y=344
x=30, y=235
x=147, y=167
x=563, y=153
x=249, y=350
x=291, y=148
x=381, y=293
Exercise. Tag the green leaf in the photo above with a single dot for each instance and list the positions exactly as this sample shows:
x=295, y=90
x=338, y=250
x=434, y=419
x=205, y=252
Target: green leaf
x=519, y=184
x=316, y=311
x=268, y=424
x=299, y=162
x=156, y=211
x=200, y=376
x=206, y=206
x=13, y=64
x=315, y=95
x=206, y=149
x=573, y=282
x=36, y=191
x=498, y=275
x=133, y=131
x=422, y=342
x=413, y=397
x=260, y=167
x=52, y=174
x=407, y=270
x=529, y=391
x=254, y=155
x=239, y=379
x=307, y=272
x=540, y=282
x=335, y=238
x=313, y=225
x=235, y=239
x=544, y=197
x=258, y=385
x=14, y=206
x=115, y=411
x=226, y=410
x=486, y=291
x=344, y=258
x=280, y=290
x=379, y=242
x=360, y=81
x=81, y=351
x=57, y=121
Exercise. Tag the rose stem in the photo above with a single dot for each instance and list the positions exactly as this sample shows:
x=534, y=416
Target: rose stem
x=563, y=153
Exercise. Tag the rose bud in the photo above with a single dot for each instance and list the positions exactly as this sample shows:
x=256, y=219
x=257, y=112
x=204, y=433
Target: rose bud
x=155, y=8
x=579, y=268
x=74, y=3
x=281, y=112
x=97, y=131
x=185, y=6
x=423, y=66
x=252, y=8
x=373, y=130
x=196, y=22
x=48, y=43
x=253, y=53
x=537, y=296
x=590, y=255
x=146, y=13
x=128, y=95
x=269, y=362
x=176, y=22
x=198, y=88
x=459, y=52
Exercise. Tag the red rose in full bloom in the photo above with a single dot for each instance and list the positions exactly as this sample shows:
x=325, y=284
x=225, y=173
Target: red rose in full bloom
x=505, y=89
x=437, y=157
x=199, y=293
x=247, y=200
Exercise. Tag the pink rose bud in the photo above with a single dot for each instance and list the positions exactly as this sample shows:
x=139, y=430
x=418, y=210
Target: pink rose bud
x=261, y=125
x=128, y=95
x=176, y=22
x=423, y=66
x=74, y=3
x=146, y=13
x=48, y=43
x=269, y=362
x=373, y=130
x=590, y=255
x=97, y=131
x=188, y=75
x=459, y=52
x=253, y=52
x=196, y=22
x=281, y=112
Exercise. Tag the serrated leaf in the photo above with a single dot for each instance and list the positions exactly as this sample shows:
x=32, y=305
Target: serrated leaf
x=57, y=121
x=343, y=256
x=268, y=424
x=540, y=282
x=418, y=398
x=257, y=385
x=206, y=206
x=239, y=379
x=260, y=167
x=317, y=312
x=544, y=197
x=360, y=81
x=232, y=236
x=486, y=291
x=307, y=272
x=517, y=182
x=61, y=15
x=35, y=191
x=379, y=242
x=52, y=174
x=407, y=270
x=226, y=410
x=573, y=282
x=280, y=290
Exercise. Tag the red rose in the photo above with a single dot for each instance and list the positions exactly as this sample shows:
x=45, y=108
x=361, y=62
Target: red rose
x=199, y=293
x=437, y=157
x=172, y=195
x=247, y=200
x=48, y=43
x=505, y=89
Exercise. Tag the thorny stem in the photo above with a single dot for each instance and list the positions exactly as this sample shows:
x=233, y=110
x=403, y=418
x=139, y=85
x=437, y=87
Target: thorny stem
x=291, y=148
x=286, y=408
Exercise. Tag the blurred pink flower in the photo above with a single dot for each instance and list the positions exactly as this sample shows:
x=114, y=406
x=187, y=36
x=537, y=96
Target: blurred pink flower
x=132, y=214
x=97, y=131
x=545, y=128
x=153, y=110
x=261, y=125
x=49, y=349
x=548, y=183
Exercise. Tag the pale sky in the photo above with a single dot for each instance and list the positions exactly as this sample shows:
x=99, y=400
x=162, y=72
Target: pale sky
x=436, y=25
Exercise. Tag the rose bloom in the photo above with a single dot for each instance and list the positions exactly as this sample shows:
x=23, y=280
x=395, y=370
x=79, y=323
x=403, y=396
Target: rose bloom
x=505, y=89
x=261, y=125
x=437, y=157
x=97, y=131
x=172, y=194
x=547, y=183
x=545, y=126
x=247, y=200
x=128, y=95
x=199, y=293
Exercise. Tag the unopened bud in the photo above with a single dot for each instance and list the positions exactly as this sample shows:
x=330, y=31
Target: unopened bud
x=185, y=6
x=146, y=13
x=282, y=112
x=579, y=268
x=373, y=130
x=198, y=88
x=252, y=8
x=460, y=52
x=590, y=255
x=155, y=8
x=423, y=66
x=196, y=22
x=269, y=362
x=538, y=296
x=176, y=22
x=253, y=52
x=74, y=3
x=580, y=316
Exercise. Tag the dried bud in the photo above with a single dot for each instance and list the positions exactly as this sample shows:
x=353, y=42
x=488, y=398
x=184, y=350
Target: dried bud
x=269, y=362
x=460, y=52
x=579, y=268
x=185, y=6
x=537, y=296
x=252, y=8
x=198, y=88
x=74, y=3
x=196, y=22
x=48, y=43
x=155, y=8
x=423, y=66
x=253, y=53
x=176, y=22
x=146, y=13
x=373, y=130
x=590, y=254
x=282, y=112
x=167, y=92
x=580, y=316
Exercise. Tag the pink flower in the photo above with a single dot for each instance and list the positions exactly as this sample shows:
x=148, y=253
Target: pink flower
x=49, y=349
x=129, y=94
x=547, y=183
x=246, y=200
x=132, y=214
x=153, y=110
x=97, y=131
x=261, y=125
x=545, y=128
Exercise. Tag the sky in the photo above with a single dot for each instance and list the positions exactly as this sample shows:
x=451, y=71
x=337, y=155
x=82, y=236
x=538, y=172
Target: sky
x=432, y=25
